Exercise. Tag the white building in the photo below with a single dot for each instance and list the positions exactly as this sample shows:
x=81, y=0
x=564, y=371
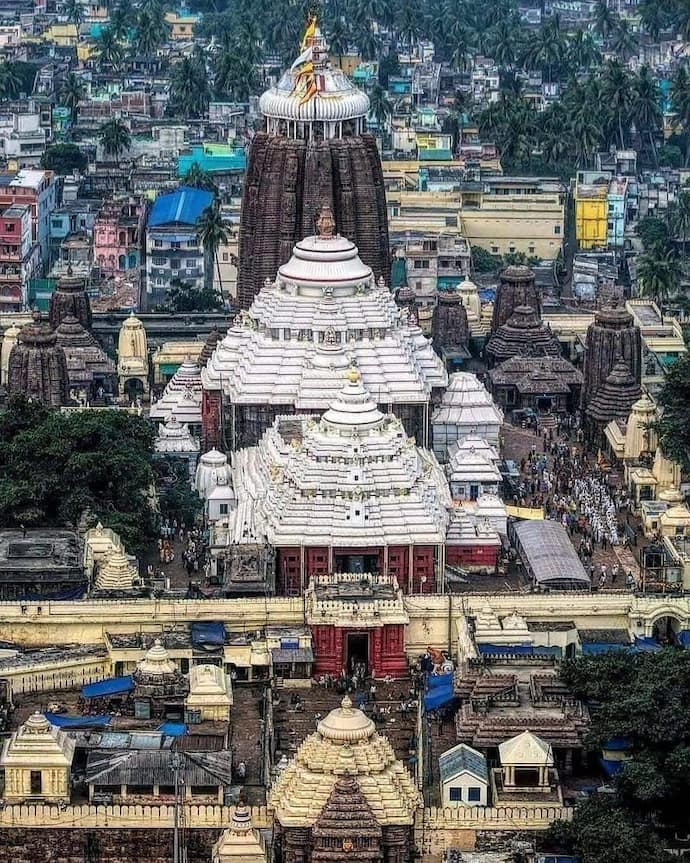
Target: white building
x=466, y=409
x=464, y=777
x=181, y=397
x=472, y=469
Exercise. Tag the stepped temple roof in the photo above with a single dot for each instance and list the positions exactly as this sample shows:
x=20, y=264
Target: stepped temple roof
x=523, y=334
x=616, y=396
x=86, y=359
x=174, y=437
x=37, y=365
x=181, y=396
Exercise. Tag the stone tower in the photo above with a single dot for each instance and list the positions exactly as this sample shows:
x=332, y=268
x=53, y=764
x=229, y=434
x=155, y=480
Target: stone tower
x=37, y=366
x=346, y=827
x=70, y=298
x=611, y=336
x=516, y=288
x=450, y=329
x=314, y=151
x=615, y=397
x=522, y=335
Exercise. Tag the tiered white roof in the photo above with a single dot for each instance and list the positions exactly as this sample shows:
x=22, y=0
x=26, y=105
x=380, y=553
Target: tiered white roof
x=116, y=573
x=175, y=438
x=466, y=409
x=468, y=530
x=157, y=662
x=469, y=465
x=302, y=332
x=181, y=397
x=213, y=465
x=353, y=478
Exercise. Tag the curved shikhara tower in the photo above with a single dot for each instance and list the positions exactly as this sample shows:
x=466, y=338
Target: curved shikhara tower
x=314, y=152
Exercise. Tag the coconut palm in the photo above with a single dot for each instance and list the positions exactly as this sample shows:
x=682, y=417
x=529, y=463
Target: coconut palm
x=338, y=37
x=545, y=49
x=408, y=24
x=380, y=106
x=646, y=112
x=234, y=76
x=367, y=42
x=461, y=43
x=680, y=99
x=109, y=50
x=189, y=89
x=10, y=81
x=114, y=138
x=658, y=275
x=197, y=178
x=212, y=233
x=653, y=17
x=604, y=18
x=581, y=51
x=151, y=30
x=623, y=41
x=679, y=218
x=504, y=43
x=74, y=12
x=72, y=93
x=617, y=91
x=121, y=19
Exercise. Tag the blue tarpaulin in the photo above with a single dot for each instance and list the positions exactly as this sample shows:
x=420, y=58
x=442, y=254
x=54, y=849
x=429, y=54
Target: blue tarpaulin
x=438, y=697
x=62, y=721
x=610, y=768
x=182, y=207
x=646, y=645
x=684, y=638
x=208, y=633
x=596, y=647
x=517, y=650
x=173, y=729
x=111, y=686
x=435, y=681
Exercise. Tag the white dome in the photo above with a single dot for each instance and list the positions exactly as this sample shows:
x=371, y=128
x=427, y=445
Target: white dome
x=212, y=465
x=337, y=99
x=319, y=262
x=354, y=409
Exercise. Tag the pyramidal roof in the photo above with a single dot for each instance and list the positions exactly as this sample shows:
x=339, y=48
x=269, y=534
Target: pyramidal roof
x=181, y=397
x=352, y=476
x=324, y=310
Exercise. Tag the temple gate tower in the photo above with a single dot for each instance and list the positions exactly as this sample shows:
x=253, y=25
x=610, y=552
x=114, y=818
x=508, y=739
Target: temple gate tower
x=70, y=298
x=313, y=151
x=516, y=287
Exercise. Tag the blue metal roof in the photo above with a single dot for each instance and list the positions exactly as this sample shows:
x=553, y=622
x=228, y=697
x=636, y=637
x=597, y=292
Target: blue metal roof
x=111, y=686
x=462, y=758
x=182, y=207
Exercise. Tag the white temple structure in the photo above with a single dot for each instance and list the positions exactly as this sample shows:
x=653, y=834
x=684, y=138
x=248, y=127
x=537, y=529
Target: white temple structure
x=116, y=573
x=210, y=694
x=37, y=761
x=467, y=409
x=213, y=468
x=176, y=441
x=240, y=842
x=472, y=469
x=288, y=353
x=181, y=397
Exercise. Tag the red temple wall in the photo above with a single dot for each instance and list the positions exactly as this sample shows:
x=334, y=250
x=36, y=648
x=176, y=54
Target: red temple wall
x=210, y=420
x=386, y=649
x=484, y=556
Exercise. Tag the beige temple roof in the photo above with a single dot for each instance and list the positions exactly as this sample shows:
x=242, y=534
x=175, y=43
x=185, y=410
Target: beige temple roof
x=209, y=685
x=157, y=662
x=324, y=310
x=240, y=842
x=116, y=573
x=37, y=744
x=345, y=741
x=353, y=478
x=526, y=750
x=181, y=397
x=132, y=349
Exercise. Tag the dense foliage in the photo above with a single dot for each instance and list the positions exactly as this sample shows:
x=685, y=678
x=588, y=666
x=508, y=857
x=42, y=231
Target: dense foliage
x=674, y=399
x=64, y=158
x=54, y=466
x=184, y=297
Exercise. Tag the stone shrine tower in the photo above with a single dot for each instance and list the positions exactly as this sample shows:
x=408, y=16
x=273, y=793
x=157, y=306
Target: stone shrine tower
x=240, y=843
x=516, y=288
x=70, y=298
x=346, y=827
x=450, y=332
x=314, y=151
x=37, y=365
x=612, y=336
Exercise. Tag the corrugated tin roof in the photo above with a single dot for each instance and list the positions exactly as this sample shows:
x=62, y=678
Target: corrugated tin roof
x=462, y=758
x=184, y=206
x=137, y=767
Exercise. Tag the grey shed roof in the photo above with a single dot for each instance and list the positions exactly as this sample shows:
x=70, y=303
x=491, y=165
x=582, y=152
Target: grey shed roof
x=461, y=759
x=145, y=767
x=549, y=556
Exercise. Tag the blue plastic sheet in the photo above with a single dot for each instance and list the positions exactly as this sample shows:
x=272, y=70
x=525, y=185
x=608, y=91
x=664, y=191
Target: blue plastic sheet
x=173, y=729
x=111, y=686
x=208, y=634
x=437, y=698
x=434, y=681
x=61, y=720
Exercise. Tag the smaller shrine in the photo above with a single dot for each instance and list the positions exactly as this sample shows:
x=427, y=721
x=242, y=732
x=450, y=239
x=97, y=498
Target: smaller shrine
x=466, y=409
x=9, y=340
x=37, y=762
x=92, y=374
x=472, y=469
x=240, y=842
x=450, y=332
x=181, y=397
x=160, y=689
x=70, y=300
x=346, y=825
x=212, y=466
x=37, y=366
x=613, y=399
x=527, y=775
x=539, y=384
x=611, y=337
x=175, y=441
x=210, y=695
x=133, y=359
x=116, y=574
x=522, y=335
x=516, y=288
x=469, y=294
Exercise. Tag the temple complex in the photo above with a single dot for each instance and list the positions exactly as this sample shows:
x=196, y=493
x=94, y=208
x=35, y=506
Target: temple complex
x=89, y=369
x=466, y=409
x=69, y=299
x=289, y=352
x=314, y=151
x=37, y=365
x=522, y=335
x=613, y=335
x=516, y=288
x=344, y=777
x=349, y=492
x=133, y=359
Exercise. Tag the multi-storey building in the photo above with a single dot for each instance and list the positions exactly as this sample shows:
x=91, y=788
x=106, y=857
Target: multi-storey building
x=118, y=235
x=173, y=250
x=38, y=191
x=19, y=256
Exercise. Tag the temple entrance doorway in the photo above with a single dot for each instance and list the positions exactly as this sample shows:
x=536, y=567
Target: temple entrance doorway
x=134, y=389
x=666, y=630
x=544, y=404
x=358, y=563
x=357, y=650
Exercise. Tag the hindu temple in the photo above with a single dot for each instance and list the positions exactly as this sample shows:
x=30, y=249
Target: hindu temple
x=516, y=288
x=614, y=398
x=37, y=366
x=523, y=334
x=289, y=352
x=450, y=330
x=344, y=789
x=89, y=369
x=70, y=299
x=314, y=150
x=612, y=336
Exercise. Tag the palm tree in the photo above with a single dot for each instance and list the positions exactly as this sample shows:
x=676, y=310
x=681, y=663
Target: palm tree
x=681, y=18
x=74, y=12
x=109, y=49
x=581, y=51
x=679, y=217
x=197, y=178
x=71, y=94
x=121, y=19
x=189, y=92
x=151, y=30
x=680, y=99
x=115, y=138
x=408, y=24
x=545, y=49
x=586, y=136
x=504, y=44
x=653, y=17
x=461, y=42
x=338, y=37
x=380, y=106
x=646, y=112
x=212, y=233
x=234, y=76
x=604, y=19
x=10, y=81
x=623, y=41
x=658, y=275
x=618, y=94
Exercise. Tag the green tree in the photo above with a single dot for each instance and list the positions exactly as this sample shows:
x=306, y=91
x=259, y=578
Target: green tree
x=645, y=110
x=108, y=48
x=658, y=275
x=53, y=466
x=380, y=107
x=114, y=138
x=74, y=12
x=122, y=19
x=212, y=233
x=234, y=75
x=197, y=178
x=679, y=218
x=680, y=100
x=544, y=50
x=674, y=399
x=189, y=91
x=653, y=232
x=338, y=36
x=617, y=91
x=10, y=81
x=72, y=93
x=64, y=158
x=581, y=51
x=183, y=297
x=604, y=19
x=151, y=30
x=623, y=41
x=483, y=261
x=177, y=500
x=653, y=17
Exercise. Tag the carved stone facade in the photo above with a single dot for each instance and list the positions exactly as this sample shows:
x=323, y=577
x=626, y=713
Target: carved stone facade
x=37, y=366
x=287, y=183
x=516, y=288
x=522, y=335
x=70, y=298
x=450, y=330
x=612, y=336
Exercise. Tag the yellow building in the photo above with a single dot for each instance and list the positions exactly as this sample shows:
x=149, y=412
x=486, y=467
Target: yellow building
x=64, y=35
x=181, y=24
x=591, y=215
x=37, y=760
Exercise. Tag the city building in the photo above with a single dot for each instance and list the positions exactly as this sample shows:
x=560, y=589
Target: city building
x=37, y=190
x=19, y=257
x=464, y=777
x=591, y=210
x=118, y=235
x=37, y=762
x=173, y=250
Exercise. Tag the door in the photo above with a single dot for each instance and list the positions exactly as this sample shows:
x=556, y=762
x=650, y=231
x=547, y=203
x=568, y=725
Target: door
x=357, y=650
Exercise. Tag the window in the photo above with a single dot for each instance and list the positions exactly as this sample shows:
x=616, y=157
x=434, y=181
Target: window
x=36, y=782
x=557, y=230
x=225, y=256
x=191, y=262
x=9, y=227
x=474, y=794
x=494, y=250
x=455, y=794
x=158, y=244
x=159, y=261
x=174, y=264
x=223, y=508
x=421, y=265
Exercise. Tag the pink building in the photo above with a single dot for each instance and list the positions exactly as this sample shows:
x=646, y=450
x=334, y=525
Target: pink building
x=19, y=256
x=118, y=234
